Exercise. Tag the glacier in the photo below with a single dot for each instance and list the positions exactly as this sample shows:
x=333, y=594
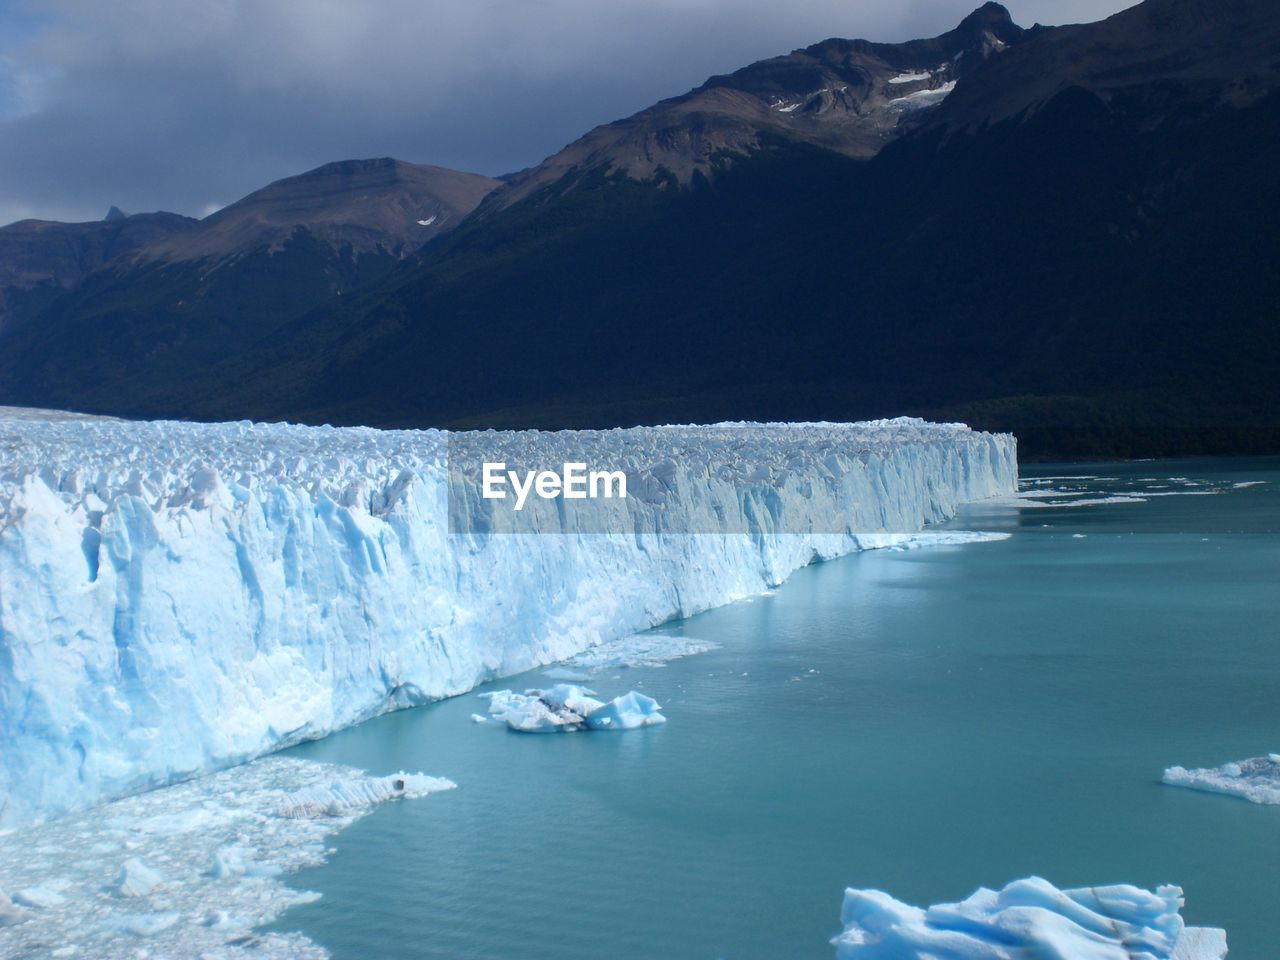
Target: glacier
x=176, y=598
x=1028, y=918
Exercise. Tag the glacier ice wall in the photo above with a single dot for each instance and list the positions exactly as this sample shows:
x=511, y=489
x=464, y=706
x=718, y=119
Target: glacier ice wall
x=178, y=597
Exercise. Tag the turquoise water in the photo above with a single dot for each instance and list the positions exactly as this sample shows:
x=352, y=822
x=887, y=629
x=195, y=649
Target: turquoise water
x=923, y=722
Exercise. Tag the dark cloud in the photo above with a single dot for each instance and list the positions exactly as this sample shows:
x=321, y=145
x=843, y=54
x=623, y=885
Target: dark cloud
x=188, y=104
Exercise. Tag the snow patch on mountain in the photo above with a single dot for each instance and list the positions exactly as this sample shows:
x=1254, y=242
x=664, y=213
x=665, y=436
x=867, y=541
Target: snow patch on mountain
x=921, y=99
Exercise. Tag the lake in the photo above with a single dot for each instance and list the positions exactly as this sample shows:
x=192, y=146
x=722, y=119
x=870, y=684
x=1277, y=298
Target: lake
x=919, y=721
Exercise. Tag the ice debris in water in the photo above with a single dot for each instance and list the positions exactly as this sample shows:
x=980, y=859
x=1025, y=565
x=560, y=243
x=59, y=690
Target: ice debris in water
x=918, y=541
x=191, y=870
x=641, y=650
x=343, y=796
x=1256, y=779
x=1028, y=918
x=567, y=708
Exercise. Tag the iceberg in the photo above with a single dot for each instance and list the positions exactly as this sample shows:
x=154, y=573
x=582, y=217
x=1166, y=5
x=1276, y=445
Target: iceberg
x=627, y=712
x=1256, y=779
x=176, y=598
x=567, y=708
x=1028, y=918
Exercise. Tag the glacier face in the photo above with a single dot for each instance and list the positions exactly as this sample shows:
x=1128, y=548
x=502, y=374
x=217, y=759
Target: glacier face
x=179, y=597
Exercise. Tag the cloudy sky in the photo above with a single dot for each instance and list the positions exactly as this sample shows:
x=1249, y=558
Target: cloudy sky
x=186, y=105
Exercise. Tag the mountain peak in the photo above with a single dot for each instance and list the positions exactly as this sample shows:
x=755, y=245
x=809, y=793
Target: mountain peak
x=348, y=168
x=115, y=213
x=989, y=15
x=363, y=203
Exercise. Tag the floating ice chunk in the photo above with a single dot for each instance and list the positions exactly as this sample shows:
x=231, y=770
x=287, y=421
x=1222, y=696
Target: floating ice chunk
x=529, y=713
x=341, y=797
x=567, y=709
x=1028, y=918
x=136, y=879
x=1256, y=780
x=567, y=696
x=479, y=718
x=626, y=712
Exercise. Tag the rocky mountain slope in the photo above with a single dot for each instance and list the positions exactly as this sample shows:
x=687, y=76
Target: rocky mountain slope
x=127, y=310
x=1075, y=242
x=849, y=96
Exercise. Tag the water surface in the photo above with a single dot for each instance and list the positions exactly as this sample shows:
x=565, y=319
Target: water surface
x=923, y=722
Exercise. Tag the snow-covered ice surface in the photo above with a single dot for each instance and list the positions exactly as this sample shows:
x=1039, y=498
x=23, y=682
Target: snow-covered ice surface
x=176, y=597
x=188, y=870
x=1028, y=919
x=1256, y=779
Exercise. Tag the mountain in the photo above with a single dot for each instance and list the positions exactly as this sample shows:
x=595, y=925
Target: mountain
x=124, y=309
x=1167, y=53
x=1074, y=242
x=365, y=205
x=849, y=96
x=41, y=258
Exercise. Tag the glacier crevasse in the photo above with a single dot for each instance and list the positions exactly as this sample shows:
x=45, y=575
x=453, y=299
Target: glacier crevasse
x=178, y=597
